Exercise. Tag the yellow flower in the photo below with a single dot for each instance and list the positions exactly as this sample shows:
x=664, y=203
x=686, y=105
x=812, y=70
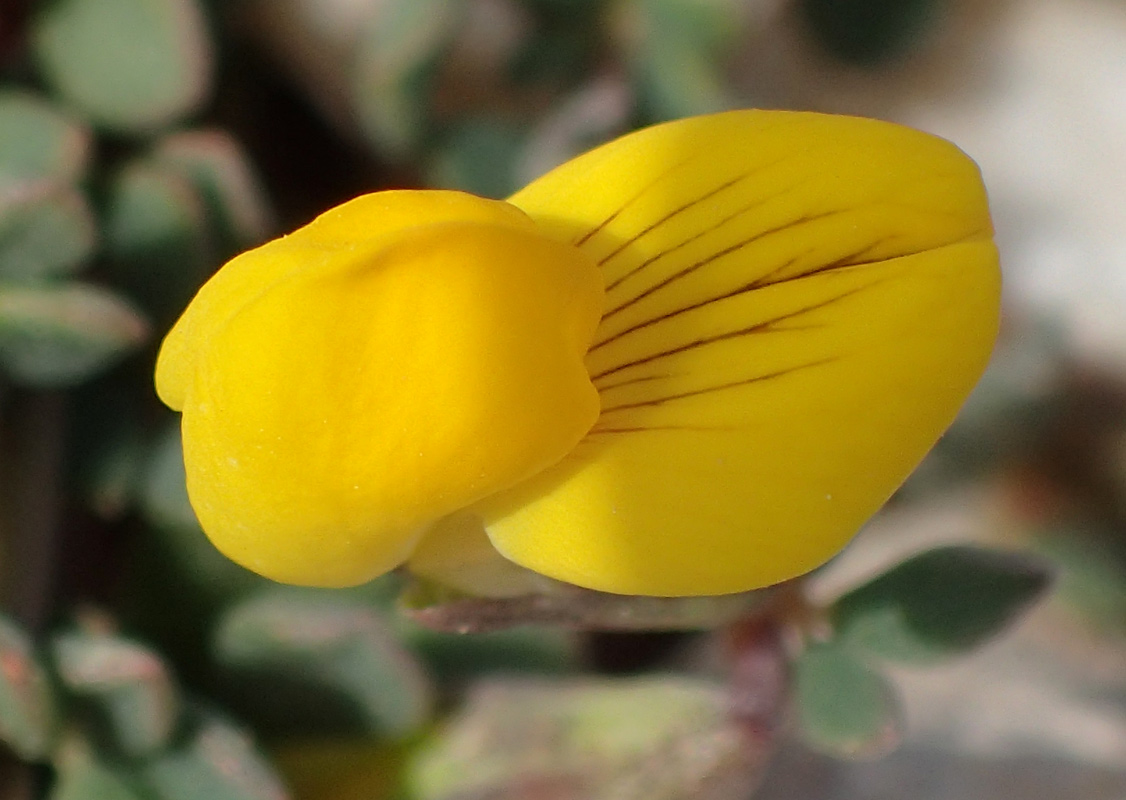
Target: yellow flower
x=692, y=361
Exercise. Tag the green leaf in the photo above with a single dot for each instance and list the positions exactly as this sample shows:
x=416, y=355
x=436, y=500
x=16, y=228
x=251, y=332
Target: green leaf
x=60, y=335
x=844, y=707
x=79, y=775
x=336, y=663
x=219, y=762
x=478, y=157
x=46, y=231
x=91, y=781
x=677, y=82
x=867, y=31
x=27, y=707
x=131, y=65
x=554, y=53
x=390, y=76
x=676, y=50
x=39, y=142
x=126, y=682
x=157, y=236
x=707, y=26
x=46, y=227
x=941, y=603
x=237, y=207
x=527, y=649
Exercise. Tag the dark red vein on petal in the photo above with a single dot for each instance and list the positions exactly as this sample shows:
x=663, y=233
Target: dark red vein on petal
x=672, y=214
x=714, y=256
x=586, y=237
x=747, y=287
x=632, y=381
x=856, y=259
x=596, y=430
x=709, y=389
x=850, y=260
x=845, y=262
x=759, y=327
x=665, y=253
x=658, y=256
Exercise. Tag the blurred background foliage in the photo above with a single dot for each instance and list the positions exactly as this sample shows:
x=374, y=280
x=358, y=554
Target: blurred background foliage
x=144, y=142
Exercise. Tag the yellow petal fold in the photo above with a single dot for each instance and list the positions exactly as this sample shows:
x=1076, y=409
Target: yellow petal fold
x=399, y=358
x=456, y=553
x=358, y=227
x=796, y=307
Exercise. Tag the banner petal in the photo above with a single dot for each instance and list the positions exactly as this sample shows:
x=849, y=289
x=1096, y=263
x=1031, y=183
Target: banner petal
x=797, y=305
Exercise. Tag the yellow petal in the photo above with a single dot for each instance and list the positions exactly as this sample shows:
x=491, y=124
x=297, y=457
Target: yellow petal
x=346, y=386
x=358, y=227
x=797, y=305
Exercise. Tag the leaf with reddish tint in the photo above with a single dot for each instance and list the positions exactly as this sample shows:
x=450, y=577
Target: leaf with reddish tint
x=27, y=707
x=126, y=682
